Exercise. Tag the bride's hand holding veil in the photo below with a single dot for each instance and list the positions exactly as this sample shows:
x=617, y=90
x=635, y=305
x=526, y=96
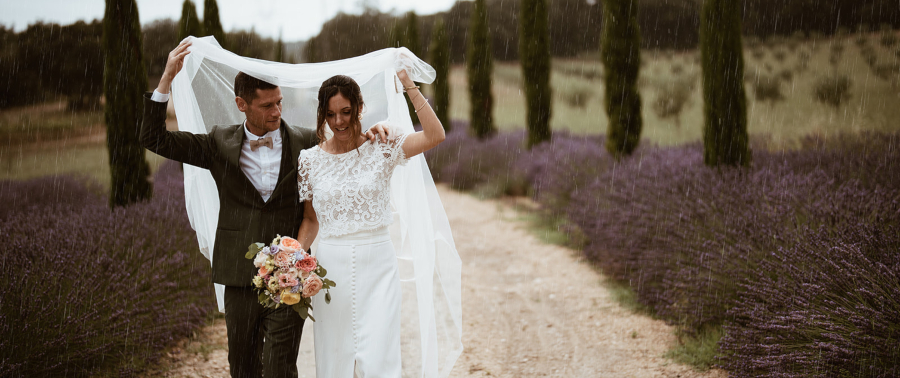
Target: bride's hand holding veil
x=432, y=132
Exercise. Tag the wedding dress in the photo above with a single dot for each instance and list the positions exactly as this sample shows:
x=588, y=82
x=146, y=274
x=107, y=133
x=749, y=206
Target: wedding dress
x=361, y=327
x=428, y=265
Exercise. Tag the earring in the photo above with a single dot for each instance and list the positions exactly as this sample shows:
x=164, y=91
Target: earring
x=360, y=117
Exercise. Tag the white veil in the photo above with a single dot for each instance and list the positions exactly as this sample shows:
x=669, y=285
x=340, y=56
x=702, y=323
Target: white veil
x=430, y=266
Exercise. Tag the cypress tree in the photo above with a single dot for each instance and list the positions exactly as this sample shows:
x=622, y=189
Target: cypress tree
x=621, y=55
x=412, y=33
x=211, y=23
x=479, y=66
x=279, y=50
x=311, y=51
x=725, y=139
x=411, y=39
x=397, y=35
x=405, y=33
x=124, y=83
x=189, y=23
x=534, y=54
x=440, y=60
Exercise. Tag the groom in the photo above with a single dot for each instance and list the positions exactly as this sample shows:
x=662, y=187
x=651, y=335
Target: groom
x=254, y=165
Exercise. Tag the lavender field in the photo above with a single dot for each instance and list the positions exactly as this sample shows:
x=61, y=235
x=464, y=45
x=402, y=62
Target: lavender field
x=90, y=291
x=792, y=264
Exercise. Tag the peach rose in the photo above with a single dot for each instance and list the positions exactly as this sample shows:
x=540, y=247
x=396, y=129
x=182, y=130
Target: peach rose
x=264, y=270
x=290, y=243
x=284, y=259
x=312, y=286
x=308, y=264
x=289, y=298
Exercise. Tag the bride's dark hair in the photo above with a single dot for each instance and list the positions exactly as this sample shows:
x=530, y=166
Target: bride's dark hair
x=348, y=88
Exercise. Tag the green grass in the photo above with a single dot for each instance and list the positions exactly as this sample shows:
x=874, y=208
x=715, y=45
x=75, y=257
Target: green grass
x=578, y=93
x=624, y=295
x=89, y=160
x=698, y=351
x=46, y=122
x=552, y=229
x=49, y=139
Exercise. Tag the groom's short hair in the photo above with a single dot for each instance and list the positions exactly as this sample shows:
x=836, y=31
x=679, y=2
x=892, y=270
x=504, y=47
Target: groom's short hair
x=245, y=86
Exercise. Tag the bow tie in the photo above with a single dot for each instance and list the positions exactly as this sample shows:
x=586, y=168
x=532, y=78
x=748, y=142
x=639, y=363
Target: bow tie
x=256, y=144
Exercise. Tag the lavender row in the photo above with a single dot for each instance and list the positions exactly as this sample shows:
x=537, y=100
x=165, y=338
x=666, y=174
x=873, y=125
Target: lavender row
x=707, y=247
x=86, y=290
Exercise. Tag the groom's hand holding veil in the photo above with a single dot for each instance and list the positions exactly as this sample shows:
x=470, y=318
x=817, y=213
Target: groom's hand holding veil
x=173, y=66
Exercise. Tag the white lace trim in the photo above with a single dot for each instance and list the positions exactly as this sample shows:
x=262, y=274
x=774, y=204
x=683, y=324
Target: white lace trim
x=350, y=191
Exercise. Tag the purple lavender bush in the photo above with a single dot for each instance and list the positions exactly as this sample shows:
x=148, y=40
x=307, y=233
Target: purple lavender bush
x=550, y=170
x=467, y=163
x=826, y=307
x=710, y=247
x=692, y=241
x=85, y=290
x=557, y=169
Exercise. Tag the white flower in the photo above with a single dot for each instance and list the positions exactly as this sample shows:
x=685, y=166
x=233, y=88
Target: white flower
x=260, y=260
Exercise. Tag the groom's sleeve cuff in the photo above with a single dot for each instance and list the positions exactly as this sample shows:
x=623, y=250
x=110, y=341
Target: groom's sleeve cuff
x=159, y=97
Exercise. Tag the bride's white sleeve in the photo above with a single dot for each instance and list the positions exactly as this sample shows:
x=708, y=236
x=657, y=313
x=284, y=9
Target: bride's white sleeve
x=393, y=150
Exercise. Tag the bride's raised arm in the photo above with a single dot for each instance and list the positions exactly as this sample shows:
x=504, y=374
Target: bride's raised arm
x=432, y=133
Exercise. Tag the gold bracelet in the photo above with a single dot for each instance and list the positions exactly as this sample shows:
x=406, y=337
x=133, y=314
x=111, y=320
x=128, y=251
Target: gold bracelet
x=408, y=88
x=423, y=105
x=414, y=97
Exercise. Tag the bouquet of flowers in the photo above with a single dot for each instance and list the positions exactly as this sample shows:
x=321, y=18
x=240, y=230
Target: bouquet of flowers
x=287, y=275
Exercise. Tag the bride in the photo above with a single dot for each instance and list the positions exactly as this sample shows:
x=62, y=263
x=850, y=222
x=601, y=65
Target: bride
x=345, y=183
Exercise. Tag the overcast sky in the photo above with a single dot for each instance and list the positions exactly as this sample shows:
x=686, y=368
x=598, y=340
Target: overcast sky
x=297, y=19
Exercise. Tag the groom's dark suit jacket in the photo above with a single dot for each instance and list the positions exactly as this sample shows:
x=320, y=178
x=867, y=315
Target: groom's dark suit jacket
x=244, y=218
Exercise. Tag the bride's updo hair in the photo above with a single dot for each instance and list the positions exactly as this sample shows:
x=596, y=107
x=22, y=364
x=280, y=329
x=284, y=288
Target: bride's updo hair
x=348, y=88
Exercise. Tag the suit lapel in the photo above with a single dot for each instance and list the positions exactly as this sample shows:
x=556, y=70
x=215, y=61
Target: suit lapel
x=299, y=142
x=290, y=150
x=233, y=148
x=233, y=157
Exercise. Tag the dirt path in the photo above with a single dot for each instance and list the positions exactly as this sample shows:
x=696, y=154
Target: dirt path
x=529, y=310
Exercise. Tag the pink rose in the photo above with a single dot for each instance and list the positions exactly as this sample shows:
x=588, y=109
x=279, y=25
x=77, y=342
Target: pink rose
x=283, y=259
x=264, y=270
x=308, y=264
x=312, y=286
x=287, y=280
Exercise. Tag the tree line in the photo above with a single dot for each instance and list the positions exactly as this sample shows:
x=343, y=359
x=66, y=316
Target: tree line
x=574, y=26
x=49, y=61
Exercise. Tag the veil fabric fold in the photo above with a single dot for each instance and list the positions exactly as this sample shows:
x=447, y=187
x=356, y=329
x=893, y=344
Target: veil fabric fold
x=430, y=267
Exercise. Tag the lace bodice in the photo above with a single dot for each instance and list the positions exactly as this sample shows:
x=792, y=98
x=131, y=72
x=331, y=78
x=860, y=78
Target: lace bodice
x=350, y=191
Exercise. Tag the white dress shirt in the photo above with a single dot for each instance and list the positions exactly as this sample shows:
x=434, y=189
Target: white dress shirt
x=261, y=166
